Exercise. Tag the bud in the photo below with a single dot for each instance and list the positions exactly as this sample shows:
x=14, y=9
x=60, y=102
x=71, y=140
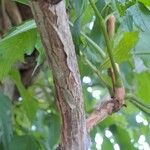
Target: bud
x=111, y=26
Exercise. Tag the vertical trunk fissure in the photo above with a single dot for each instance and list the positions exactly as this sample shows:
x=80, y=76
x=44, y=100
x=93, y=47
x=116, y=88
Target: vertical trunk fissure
x=52, y=23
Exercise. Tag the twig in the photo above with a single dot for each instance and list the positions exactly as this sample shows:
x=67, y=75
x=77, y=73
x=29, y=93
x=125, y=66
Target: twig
x=118, y=81
x=139, y=107
x=131, y=97
x=99, y=50
x=101, y=112
x=94, y=69
x=97, y=47
x=117, y=102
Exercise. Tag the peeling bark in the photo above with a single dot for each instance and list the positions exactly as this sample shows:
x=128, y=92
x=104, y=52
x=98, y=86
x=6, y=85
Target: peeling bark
x=52, y=23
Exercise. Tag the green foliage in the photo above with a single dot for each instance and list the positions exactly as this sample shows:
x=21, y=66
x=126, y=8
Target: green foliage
x=53, y=124
x=25, y=142
x=106, y=144
x=141, y=17
x=146, y=3
x=121, y=52
x=122, y=7
x=142, y=49
x=5, y=121
x=143, y=84
x=22, y=1
x=122, y=137
x=15, y=44
x=28, y=100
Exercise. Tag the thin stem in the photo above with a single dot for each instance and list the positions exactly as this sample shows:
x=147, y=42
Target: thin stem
x=99, y=50
x=102, y=24
x=142, y=53
x=96, y=71
x=139, y=107
x=131, y=97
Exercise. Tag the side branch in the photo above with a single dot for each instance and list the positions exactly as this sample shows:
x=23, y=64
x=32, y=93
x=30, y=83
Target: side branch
x=101, y=112
x=117, y=93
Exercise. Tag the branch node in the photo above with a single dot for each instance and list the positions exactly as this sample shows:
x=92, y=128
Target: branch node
x=102, y=111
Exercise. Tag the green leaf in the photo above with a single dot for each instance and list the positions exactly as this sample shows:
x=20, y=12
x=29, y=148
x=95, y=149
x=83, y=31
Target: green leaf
x=25, y=142
x=19, y=41
x=26, y=26
x=142, y=49
x=143, y=86
x=106, y=145
x=89, y=101
x=5, y=121
x=96, y=32
x=28, y=100
x=146, y=3
x=76, y=34
x=141, y=17
x=21, y=121
x=122, y=137
x=79, y=7
x=122, y=7
x=143, y=45
x=53, y=124
x=26, y=2
x=49, y=125
x=41, y=57
x=93, y=45
x=121, y=52
x=87, y=15
x=40, y=48
x=129, y=21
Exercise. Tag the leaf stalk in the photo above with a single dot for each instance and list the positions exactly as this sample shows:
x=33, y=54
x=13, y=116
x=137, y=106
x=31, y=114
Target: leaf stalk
x=118, y=82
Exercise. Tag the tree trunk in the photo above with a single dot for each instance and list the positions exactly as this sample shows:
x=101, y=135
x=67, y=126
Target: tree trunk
x=52, y=23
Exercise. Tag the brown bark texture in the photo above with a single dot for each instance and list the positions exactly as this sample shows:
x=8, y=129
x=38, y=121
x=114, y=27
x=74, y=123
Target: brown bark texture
x=53, y=26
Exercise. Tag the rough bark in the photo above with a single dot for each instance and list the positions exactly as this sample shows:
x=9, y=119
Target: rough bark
x=52, y=23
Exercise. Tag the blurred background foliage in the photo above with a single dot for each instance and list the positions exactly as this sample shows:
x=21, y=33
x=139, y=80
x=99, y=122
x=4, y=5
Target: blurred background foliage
x=30, y=120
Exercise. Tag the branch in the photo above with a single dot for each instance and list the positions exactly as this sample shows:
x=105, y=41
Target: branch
x=99, y=50
x=137, y=100
x=106, y=108
x=118, y=82
x=139, y=107
x=102, y=111
x=97, y=47
x=94, y=69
